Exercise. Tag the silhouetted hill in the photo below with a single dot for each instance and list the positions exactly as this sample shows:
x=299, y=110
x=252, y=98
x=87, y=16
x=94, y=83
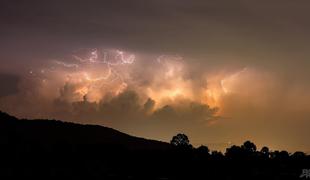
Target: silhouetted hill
x=54, y=131
x=50, y=149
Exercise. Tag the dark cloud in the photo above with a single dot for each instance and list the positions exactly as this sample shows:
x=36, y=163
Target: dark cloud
x=149, y=105
x=130, y=113
x=186, y=113
x=196, y=27
x=9, y=84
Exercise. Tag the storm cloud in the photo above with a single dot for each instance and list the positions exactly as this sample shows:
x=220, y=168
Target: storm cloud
x=220, y=71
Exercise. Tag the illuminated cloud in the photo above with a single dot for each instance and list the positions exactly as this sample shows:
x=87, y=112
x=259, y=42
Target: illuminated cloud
x=101, y=86
x=249, y=60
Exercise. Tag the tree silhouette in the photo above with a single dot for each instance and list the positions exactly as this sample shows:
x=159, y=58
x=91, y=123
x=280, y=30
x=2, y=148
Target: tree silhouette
x=279, y=155
x=265, y=151
x=244, y=151
x=217, y=155
x=249, y=146
x=298, y=155
x=234, y=152
x=203, y=149
x=180, y=140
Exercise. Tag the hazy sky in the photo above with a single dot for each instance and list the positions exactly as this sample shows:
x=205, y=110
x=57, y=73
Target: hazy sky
x=220, y=71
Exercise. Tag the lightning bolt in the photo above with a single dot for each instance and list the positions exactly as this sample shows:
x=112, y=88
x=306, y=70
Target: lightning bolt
x=109, y=60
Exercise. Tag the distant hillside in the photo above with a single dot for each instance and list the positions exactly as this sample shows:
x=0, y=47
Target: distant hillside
x=58, y=132
x=50, y=149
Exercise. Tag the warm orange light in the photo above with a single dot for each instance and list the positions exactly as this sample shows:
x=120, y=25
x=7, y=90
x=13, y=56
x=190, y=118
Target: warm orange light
x=82, y=91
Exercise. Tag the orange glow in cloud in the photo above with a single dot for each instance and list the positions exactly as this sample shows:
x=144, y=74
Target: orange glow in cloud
x=107, y=73
x=221, y=85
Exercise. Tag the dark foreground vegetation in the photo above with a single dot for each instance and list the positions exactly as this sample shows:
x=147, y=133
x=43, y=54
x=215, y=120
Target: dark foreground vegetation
x=54, y=149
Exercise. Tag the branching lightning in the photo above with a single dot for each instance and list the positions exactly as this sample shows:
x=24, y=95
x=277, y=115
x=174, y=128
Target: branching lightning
x=93, y=72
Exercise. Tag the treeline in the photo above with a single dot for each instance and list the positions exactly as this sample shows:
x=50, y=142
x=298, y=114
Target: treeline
x=247, y=150
x=53, y=149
